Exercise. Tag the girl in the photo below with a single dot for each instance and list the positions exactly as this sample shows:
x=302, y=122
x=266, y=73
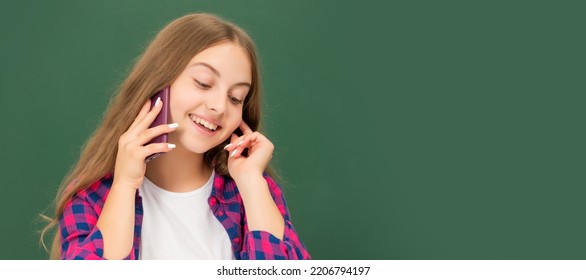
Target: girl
x=210, y=195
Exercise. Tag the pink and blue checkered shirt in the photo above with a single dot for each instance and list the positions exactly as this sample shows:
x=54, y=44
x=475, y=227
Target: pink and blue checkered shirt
x=81, y=239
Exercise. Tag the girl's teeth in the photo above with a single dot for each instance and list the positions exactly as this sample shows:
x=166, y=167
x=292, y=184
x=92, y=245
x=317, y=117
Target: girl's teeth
x=205, y=124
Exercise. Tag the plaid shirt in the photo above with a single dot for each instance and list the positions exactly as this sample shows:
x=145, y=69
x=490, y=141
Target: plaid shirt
x=81, y=239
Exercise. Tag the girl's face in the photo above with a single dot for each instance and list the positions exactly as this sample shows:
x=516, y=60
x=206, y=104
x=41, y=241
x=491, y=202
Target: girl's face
x=208, y=96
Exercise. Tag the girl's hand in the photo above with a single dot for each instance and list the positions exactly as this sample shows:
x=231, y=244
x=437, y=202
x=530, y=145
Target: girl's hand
x=130, y=160
x=260, y=152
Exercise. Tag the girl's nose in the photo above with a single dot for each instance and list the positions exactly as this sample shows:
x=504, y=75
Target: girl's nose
x=217, y=101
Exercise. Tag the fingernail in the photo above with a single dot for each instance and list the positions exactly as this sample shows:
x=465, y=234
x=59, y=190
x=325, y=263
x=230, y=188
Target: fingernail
x=226, y=147
x=233, y=153
x=171, y=146
x=158, y=101
x=174, y=125
x=241, y=141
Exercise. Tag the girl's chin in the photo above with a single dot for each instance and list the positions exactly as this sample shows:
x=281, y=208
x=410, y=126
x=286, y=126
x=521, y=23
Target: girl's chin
x=198, y=149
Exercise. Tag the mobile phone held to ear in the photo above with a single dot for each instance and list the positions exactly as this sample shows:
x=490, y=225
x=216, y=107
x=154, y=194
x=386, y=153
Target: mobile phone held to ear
x=162, y=118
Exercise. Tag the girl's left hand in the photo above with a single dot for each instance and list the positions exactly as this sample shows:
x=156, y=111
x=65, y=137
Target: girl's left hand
x=260, y=152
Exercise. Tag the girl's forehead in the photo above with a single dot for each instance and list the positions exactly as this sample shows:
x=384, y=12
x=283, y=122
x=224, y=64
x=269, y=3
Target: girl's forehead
x=225, y=60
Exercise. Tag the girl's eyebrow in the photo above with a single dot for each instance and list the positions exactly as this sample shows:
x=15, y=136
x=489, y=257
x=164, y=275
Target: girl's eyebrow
x=208, y=66
x=217, y=73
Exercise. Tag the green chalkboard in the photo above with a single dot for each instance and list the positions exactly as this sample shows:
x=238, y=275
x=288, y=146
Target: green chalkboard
x=403, y=129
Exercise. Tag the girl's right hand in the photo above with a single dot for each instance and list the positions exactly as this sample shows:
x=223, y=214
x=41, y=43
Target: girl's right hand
x=130, y=161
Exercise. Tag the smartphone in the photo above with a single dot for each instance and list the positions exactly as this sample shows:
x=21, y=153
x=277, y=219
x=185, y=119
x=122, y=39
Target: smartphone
x=162, y=118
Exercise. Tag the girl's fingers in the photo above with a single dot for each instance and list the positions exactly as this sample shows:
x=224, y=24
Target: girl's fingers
x=151, y=133
x=244, y=142
x=155, y=148
x=231, y=147
x=245, y=128
x=251, y=139
x=143, y=111
x=148, y=119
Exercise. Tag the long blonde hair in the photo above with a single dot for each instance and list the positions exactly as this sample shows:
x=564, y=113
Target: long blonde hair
x=161, y=63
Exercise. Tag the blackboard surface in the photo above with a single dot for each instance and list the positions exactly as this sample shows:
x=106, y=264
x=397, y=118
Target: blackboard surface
x=403, y=129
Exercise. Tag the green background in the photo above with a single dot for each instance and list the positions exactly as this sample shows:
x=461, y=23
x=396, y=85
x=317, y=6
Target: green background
x=403, y=130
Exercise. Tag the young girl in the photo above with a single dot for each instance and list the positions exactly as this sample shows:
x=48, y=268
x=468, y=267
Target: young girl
x=210, y=194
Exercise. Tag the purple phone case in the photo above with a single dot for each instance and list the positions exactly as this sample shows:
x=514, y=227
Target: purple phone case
x=162, y=118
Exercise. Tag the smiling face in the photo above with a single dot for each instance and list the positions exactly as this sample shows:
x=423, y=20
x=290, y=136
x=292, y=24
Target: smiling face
x=208, y=97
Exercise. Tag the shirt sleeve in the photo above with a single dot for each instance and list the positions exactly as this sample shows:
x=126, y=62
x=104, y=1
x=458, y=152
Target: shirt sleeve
x=262, y=245
x=80, y=237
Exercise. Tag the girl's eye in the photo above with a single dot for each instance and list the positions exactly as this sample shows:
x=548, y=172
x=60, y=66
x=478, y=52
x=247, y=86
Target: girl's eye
x=202, y=85
x=235, y=100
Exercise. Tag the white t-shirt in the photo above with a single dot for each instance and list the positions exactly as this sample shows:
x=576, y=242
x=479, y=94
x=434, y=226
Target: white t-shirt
x=181, y=225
